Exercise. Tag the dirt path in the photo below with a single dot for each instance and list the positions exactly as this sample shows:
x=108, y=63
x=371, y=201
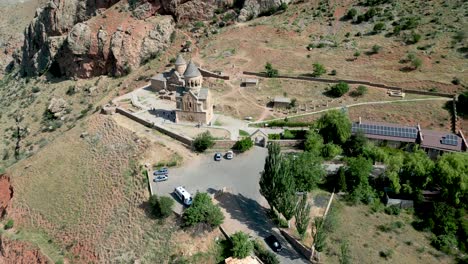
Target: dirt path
x=358, y=104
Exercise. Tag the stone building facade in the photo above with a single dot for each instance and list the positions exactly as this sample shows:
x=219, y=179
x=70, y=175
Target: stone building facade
x=193, y=102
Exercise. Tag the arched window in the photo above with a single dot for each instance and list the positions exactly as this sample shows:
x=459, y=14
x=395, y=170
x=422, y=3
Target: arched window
x=190, y=105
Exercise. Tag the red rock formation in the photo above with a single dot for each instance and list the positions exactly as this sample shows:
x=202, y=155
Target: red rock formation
x=14, y=251
x=6, y=193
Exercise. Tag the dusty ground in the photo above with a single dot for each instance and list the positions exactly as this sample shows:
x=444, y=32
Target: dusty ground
x=361, y=230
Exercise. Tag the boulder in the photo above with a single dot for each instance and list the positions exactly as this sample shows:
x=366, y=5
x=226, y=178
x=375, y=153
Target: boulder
x=57, y=107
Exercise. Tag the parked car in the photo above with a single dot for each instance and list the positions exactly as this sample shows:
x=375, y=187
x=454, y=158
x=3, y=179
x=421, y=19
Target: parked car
x=217, y=156
x=273, y=242
x=162, y=171
x=161, y=178
x=229, y=155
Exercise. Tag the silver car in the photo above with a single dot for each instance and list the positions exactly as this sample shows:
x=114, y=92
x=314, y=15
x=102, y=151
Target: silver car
x=160, y=178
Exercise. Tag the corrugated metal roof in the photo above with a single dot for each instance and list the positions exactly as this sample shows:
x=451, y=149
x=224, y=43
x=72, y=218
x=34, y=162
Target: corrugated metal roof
x=279, y=99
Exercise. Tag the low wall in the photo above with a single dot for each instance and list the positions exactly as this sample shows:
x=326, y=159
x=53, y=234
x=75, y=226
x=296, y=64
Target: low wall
x=298, y=246
x=185, y=140
x=206, y=73
x=378, y=85
x=289, y=143
x=223, y=144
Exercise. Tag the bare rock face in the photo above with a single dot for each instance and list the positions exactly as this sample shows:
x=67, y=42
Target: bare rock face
x=6, y=194
x=16, y=251
x=253, y=8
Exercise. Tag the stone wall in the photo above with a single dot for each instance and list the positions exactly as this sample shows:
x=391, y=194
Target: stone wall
x=289, y=143
x=206, y=73
x=195, y=117
x=378, y=85
x=224, y=144
x=298, y=246
x=185, y=140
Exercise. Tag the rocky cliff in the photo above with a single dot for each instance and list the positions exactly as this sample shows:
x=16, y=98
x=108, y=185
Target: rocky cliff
x=82, y=38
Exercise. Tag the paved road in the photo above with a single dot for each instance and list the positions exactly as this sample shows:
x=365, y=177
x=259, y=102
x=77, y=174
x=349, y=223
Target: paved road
x=243, y=202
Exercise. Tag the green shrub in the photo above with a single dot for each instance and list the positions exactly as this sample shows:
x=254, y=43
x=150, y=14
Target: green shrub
x=351, y=13
x=386, y=254
x=330, y=150
x=203, y=210
x=36, y=89
x=392, y=210
x=287, y=134
x=10, y=223
x=339, y=89
x=270, y=71
x=265, y=255
x=333, y=72
x=243, y=144
x=319, y=70
x=376, y=49
x=241, y=245
x=203, y=141
x=379, y=26
x=360, y=90
x=161, y=206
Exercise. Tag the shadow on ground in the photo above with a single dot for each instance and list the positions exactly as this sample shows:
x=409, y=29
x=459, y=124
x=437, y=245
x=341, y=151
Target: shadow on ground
x=250, y=213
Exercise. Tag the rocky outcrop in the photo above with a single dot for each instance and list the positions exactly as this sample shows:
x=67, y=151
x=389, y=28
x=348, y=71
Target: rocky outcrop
x=253, y=8
x=6, y=194
x=15, y=251
x=83, y=38
x=57, y=107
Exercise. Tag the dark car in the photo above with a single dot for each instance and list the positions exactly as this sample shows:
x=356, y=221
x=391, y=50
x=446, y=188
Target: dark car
x=273, y=242
x=160, y=178
x=217, y=156
x=161, y=171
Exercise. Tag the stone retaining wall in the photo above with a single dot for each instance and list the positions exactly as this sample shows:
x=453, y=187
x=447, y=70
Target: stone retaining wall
x=378, y=85
x=206, y=73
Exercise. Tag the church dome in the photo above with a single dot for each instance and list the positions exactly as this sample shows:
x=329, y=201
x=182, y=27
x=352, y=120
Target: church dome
x=180, y=60
x=192, y=71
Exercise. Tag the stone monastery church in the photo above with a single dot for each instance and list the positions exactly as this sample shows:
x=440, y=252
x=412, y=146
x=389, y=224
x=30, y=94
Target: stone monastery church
x=193, y=102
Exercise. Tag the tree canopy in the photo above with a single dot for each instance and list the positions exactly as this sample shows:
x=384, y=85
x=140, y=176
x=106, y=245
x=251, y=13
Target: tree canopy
x=357, y=179
x=203, y=210
x=313, y=143
x=451, y=174
x=270, y=172
x=416, y=171
x=334, y=126
x=203, y=141
x=306, y=170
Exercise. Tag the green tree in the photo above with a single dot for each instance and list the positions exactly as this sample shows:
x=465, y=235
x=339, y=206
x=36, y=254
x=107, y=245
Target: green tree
x=203, y=210
x=451, y=174
x=313, y=143
x=161, y=206
x=286, y=198
x=270, y=71
x=462, y=103
x=416, y=171
x=392, y=171
x=339, y=89
x=9, y=224
x=241, y=245
x=243, y=144
x=357, y=179
x=203, y=141
x=355, y=145
x=270, y=173
x=302, y=216
x=320, y=235
x=319, y=70
x=342, y=179
x=334, y=126
x=307, y=171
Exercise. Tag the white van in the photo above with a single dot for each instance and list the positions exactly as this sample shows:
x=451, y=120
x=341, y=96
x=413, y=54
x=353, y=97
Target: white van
x=183, y=195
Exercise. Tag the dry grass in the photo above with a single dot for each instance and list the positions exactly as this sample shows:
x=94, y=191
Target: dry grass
x=84, y=199
x=363, y=232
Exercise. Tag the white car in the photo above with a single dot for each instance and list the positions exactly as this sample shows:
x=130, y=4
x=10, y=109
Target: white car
x=229, y=155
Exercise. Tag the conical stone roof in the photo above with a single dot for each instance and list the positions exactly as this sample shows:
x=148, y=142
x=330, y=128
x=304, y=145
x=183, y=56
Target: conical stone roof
x=192, y=71
x=180, y=60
